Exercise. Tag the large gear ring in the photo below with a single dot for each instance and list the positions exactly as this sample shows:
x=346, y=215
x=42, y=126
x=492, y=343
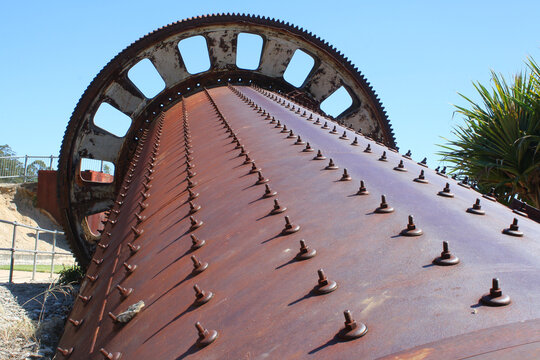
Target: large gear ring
x=83, y=139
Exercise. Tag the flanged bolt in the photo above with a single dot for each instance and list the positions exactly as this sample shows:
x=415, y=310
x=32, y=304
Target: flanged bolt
x=76, y=323
x=325, y=286
x=261, y=179
x=196, y=242
x=291, y=135
x=192, y=194
x=195, y=224
x=408, y=155
x=85, y=299
x=277, y=208
x=201, y=296
x=284, y=130
x=305, y=251
x=383, y=157
x=278, y=125
x=334, y=130
x=124, y=292
x=362, y=190
x=411, y=229
x=243, y=152
x=92, y=278
x=319, y=156
x=400, y=167
x=490, y=195
x=268, y=192
x=476, y=208
x=331, y=165
x=368, y=149
x=446, y=258
x=198, y=266
x=193, y=208
x=65, y=352
x=299, y=141
x=129, y=268
x=344, y=136
x=345, y=176
x=384, y=208
x=355, y=141
x=446, y=191
x=352, y=330
x=513, y=229
x=191, y=184
x=248, y=160
x=110, y=356
x=325, y=126
x=495, y=297
x=317, y=122
x=289, y=227
x=254, y=168
x=308, y=148
x=421, y=178
x=206, y=337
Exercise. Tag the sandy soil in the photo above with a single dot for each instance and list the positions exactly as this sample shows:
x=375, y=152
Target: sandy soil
x=17, y=204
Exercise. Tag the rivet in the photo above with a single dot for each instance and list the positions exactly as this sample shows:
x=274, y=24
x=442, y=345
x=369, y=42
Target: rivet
x=334, y=130
x=411, y=229
x=261, y=179
x=147, y=186
x=133, y=248
x=92, y=278
x=124, y=292
x=273, y=121
x=268, y=117
x=76, y=323
x=476, y=208
x=201, y=296
x=490, y=195
x=196, y=243
x=465, y=182
x=198, y=266
x=331, y=166
x=305, y=251
x=495, y=297
x=278, y=125
x=190, y=174
x=110, y=356
x=299, y=141
x=355, y=141
x=103, y=246
x=344, y=136
x=345, y=176
x=325, y=126
x=317, y=122
x=384, y=208
x=206, y=337
x=446, y=191
x=423, y=162
x=145, y=195
x=400, y=167
x=383, y=157
x=310, y=118
x=352, y=330
x=308, y=148
x=298, y=110
x=85, y=299
x=254, y=168
x=277, y=208
x=421, y=178
x=408, y=155
x=319, y=156
x=243, y=152
x=289, y=227
x=367, y=149
x=195, y=224
x=362, y=190
x=513, y=229
x=137, y=232
x=193, y=208
x=191, y=184
x=324, y=285
x=65, y=352
x=284, y=129
x=192, y=195
x=129, y=267
x=97, y=261
x=446, y=258
x=268, y=192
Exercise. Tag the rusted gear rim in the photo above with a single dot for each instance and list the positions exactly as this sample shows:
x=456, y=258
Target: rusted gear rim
x=83, y=139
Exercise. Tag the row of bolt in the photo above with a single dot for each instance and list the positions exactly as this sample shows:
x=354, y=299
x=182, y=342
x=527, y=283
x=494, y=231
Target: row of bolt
x=446, y=258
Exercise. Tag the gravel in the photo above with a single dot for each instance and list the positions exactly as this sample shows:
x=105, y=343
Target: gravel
x=32, y=318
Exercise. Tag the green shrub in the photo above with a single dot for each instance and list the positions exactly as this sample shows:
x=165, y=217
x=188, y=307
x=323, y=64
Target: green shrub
x=70, y=275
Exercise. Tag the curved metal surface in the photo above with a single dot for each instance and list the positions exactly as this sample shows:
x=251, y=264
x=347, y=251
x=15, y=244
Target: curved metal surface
x=266, y=303
x=112, y=85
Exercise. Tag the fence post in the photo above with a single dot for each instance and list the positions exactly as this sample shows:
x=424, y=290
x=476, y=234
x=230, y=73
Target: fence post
x=50, y=165
x=53, y=251
x=12, y=262
x=25, y=166
x=101, y=166
x=35, y=256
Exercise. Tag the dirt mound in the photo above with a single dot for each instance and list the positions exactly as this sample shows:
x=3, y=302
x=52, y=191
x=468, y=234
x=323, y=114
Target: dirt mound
x=17, y=203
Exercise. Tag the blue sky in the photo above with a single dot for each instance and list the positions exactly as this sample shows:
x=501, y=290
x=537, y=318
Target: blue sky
x=417, y=55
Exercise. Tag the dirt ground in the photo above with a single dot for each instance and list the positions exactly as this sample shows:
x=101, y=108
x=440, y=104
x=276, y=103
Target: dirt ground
x=17, y=203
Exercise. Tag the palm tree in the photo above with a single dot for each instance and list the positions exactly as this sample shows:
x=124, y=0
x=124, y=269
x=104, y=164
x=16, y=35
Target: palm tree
x=498, y=145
